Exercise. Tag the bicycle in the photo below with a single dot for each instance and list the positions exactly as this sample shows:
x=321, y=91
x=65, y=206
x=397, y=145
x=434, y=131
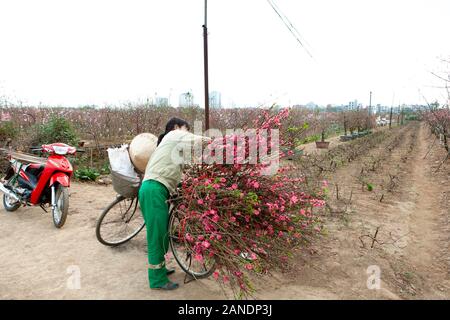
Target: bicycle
x=122, y=220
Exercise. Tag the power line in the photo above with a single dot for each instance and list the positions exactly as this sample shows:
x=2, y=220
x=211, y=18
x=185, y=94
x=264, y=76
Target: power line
x=289, y=25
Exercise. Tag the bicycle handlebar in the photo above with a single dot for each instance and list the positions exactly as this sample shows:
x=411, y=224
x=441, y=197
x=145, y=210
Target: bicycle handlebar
x=39, y=149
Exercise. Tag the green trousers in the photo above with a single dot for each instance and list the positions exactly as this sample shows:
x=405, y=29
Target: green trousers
x=152, y=198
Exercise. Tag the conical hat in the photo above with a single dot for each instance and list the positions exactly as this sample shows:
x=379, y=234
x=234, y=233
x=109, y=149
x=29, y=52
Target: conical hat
x=141, y=149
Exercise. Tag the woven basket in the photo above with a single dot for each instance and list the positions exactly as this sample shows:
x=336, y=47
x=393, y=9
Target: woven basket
x=125, y=186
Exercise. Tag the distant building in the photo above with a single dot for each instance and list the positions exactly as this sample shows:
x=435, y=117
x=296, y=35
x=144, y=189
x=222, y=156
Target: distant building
x=311, y=105
x=379, y=108
x=383, y=109
x=161, y=102
x=186, y=100
x=354, y=105
x=215, y=100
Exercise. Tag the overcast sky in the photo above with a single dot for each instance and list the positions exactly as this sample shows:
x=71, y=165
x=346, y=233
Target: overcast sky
x=105, y=51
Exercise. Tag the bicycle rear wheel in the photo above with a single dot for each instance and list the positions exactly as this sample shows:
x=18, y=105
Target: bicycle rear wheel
x=120, y=222
x=182, y=251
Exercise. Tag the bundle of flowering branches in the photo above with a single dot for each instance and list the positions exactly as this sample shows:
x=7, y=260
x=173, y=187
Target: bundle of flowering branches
x=248, y=221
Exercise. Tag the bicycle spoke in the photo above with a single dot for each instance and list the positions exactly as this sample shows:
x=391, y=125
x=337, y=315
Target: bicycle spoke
x=121, y=222
x=183, y=250
x=190, y=259
x=134, y=211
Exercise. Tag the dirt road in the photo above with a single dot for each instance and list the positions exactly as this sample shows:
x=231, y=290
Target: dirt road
x=411, y=252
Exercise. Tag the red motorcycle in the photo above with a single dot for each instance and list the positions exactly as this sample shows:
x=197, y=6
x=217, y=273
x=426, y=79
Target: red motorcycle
x=41, y=183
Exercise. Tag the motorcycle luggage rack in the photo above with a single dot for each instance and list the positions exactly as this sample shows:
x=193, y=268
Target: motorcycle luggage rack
x=26, y=157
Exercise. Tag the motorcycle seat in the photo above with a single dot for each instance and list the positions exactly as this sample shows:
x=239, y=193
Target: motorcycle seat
x=34, y=169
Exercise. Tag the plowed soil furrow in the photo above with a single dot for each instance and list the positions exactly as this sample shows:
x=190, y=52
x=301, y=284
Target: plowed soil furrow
x=411, y=245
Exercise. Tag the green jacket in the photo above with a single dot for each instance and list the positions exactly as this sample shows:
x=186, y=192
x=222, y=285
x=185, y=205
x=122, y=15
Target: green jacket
x=166, y=162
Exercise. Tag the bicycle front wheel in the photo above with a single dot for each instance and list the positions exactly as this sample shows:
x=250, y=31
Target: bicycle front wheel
x=120, y=222
x=182, y=250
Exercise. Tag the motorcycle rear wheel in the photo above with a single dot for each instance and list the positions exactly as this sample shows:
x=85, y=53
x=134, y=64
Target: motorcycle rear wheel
x=9, y=204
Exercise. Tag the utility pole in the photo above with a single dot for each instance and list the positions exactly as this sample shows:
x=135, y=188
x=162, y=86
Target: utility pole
x=402, y=117
x=370, y=112
x=390, y=119
x=392, y=106
x=345, y=123
x=205, y=59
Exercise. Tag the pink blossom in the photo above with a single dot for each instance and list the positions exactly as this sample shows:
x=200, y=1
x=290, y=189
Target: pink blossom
x=206, y=244
x=168, y=255
x=294, y=199
x=198, y=257
x=216, y=275
x=200, y=201
x=234, y=186
x=215, y=218
x=188, y=237
x=249, y=266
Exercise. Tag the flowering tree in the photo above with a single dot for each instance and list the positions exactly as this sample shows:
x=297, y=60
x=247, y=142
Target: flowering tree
x=438, y=116
x=324, y=121
x=356, y=120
